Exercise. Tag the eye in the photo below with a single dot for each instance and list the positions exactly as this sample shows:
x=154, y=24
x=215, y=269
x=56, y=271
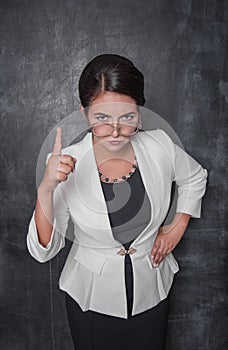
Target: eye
x=101, y=118
x=128, y=117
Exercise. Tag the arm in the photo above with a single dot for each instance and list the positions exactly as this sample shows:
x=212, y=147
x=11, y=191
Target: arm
x=190, y=178
x=44, y=215
x=49, y=221
x=46, y=238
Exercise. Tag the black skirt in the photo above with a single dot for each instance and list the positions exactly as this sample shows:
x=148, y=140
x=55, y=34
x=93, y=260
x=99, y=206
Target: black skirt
x=92, y=330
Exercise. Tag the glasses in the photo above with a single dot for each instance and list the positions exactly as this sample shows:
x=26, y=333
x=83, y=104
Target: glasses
x=106, y=129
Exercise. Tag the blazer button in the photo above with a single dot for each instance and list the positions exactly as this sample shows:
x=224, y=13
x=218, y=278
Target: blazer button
x=129, y=251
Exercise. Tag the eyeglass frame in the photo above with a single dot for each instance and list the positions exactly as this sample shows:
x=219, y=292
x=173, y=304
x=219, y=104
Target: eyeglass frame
x=138, y=127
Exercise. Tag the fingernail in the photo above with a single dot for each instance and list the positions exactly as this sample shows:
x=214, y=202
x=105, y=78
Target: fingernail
x=155, y=265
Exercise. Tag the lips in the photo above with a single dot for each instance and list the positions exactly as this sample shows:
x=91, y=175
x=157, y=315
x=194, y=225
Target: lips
x=114, y=142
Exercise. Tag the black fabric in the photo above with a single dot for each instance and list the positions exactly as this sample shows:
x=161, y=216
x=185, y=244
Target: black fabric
x=128, y=280
x=128, y=207
x=132, y=205
x=95, y=331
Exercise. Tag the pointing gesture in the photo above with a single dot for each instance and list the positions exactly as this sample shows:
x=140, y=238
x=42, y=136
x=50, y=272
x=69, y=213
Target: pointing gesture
x=59, y=166
x=58, y=143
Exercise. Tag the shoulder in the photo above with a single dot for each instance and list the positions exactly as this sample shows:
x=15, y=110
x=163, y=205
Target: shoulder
x=158, y=143
x=78, y=148
x=158, y=136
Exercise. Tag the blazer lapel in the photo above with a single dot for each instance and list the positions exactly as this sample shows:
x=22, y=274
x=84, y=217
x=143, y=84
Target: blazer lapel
x=90, y=191
x=150, y=175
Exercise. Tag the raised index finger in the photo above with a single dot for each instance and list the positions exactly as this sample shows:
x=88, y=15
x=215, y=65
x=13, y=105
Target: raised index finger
x=58, y=142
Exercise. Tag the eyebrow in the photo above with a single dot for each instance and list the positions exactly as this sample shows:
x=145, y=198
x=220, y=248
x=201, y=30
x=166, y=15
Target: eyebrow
x=107, y=115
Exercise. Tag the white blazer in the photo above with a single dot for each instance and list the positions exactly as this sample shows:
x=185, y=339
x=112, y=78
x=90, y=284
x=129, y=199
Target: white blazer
x=93, y=273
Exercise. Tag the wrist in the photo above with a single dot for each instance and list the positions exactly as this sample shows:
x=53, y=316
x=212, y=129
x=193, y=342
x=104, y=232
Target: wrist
x=44, y=189
x=180, y=221
x=178, y=224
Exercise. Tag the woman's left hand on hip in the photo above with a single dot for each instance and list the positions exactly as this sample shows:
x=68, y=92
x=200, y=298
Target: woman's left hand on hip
x=168, y=237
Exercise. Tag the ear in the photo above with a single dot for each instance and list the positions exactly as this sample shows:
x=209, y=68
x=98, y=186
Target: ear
x=140, y=123
x=83, y=111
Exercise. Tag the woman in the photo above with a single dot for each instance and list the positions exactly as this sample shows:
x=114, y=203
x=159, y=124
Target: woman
x=115, y=185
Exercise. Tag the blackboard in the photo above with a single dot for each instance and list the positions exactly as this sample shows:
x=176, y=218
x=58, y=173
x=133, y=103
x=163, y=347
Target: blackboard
x=181, y=47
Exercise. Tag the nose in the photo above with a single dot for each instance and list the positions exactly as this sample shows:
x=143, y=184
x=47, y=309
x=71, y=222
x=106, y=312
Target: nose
x=116, y=129
x=115, y=132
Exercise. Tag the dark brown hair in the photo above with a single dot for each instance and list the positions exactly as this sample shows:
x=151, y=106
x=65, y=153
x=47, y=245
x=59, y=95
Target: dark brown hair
x=110, y=72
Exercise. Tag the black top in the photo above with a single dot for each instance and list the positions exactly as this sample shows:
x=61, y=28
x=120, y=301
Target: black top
x=128, y=207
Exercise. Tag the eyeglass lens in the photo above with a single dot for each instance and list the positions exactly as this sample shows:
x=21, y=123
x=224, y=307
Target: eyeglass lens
x=107, y=129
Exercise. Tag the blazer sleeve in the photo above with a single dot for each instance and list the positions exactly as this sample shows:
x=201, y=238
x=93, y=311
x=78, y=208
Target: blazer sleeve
x=191, y=179
x=61, y=217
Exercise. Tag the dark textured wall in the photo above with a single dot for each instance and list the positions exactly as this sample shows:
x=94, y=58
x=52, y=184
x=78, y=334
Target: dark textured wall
x=181, y=48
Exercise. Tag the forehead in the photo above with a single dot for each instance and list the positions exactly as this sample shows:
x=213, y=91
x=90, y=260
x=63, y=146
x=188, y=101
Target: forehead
x=114, y=109
x=113, y=104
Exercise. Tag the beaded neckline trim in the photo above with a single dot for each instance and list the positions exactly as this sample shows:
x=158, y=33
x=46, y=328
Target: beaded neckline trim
x=110, y=180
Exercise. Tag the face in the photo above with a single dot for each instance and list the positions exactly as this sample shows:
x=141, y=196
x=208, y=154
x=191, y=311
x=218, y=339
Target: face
x=118, y=110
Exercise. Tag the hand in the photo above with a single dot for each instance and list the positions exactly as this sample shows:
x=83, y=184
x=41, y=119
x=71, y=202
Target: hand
x=168, y=237
x=58, y=167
